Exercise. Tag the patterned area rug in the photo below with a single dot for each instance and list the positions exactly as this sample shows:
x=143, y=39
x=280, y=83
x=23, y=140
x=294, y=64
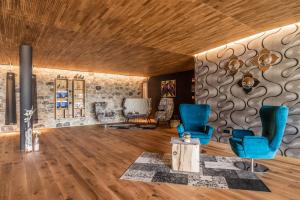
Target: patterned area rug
x=131, y=126
x=215, y=172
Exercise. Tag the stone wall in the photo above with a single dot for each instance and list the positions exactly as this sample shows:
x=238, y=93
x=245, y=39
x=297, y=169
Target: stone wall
x=232, y=107
x=111, y=89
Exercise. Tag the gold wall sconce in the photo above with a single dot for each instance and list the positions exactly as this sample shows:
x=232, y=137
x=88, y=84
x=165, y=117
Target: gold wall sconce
x=264, y=60
x=234, y=64
x=248, y=82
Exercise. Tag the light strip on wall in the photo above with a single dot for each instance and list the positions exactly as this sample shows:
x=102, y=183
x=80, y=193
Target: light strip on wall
x=285, y=28
x=86, y=74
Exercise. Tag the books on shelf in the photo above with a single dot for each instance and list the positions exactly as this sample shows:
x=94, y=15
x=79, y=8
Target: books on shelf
x=69, y=98
x=78, y=98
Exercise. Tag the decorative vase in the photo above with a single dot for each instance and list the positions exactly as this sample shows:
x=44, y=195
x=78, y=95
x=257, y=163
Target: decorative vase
x=36, y=143
x=28, y=131
x=28, y=140
x=187, y=137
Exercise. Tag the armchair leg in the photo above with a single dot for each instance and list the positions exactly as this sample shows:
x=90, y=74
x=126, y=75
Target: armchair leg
x=252, y=165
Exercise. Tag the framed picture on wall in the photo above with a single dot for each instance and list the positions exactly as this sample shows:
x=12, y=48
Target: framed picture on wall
x=168, y=88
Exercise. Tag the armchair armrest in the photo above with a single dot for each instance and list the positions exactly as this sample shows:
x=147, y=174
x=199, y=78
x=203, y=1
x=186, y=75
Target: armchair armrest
x=241, y=133
x=180, y=130
x=209, y=130
x=255, y=144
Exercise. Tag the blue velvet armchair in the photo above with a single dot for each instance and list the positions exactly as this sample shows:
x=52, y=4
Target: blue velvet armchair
x=194, y=119
x=245, y=144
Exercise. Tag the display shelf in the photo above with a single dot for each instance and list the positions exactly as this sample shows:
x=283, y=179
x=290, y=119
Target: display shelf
x=61, y=98
x=78, y=98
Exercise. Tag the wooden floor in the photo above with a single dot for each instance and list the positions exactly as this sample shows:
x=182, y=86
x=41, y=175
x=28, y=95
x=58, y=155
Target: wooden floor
x=87, y=162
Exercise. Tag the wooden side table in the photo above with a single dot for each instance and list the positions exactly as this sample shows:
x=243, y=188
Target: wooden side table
x=185, y=156
x=174, y=123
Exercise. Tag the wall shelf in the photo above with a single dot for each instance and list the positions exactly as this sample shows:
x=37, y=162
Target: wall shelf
x=78, y=98
x=62, y=98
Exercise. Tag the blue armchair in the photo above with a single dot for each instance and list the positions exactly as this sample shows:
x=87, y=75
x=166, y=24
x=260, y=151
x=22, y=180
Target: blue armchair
x=245, y=144
x=194, y=120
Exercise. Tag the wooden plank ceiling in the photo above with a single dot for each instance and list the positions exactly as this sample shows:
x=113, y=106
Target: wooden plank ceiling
x=134, y=37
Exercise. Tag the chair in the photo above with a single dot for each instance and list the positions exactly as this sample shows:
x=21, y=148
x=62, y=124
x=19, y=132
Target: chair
x=194, y=119
x=247, y=145
x=165, y=110
x=137, y=108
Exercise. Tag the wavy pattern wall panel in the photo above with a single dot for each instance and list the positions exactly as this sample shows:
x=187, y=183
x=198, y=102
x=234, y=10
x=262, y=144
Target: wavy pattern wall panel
x=232, y=107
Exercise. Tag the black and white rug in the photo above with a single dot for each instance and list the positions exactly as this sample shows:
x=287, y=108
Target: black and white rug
x=215, y=172
x=131, y=126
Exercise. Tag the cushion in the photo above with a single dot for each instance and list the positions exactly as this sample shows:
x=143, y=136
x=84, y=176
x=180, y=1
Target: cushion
x=237, y=147
x=161, y=108
x=198, y=134
x=201, y=128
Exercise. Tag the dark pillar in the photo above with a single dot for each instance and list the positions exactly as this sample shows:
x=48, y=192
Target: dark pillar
x=34, y=100
x=10, y=108
x=25, y=88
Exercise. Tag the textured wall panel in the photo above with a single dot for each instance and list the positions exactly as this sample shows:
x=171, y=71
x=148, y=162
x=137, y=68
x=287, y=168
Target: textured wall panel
x=113, y=89
x=280, y=85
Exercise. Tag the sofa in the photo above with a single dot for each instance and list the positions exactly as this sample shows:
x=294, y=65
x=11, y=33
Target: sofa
x=134, y=108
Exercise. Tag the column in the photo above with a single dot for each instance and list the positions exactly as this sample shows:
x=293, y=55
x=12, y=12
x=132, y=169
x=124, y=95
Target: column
x=25, y=55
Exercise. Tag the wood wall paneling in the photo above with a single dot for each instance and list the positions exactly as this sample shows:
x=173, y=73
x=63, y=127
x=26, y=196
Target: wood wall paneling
x=145, y=37
x=183, y=89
